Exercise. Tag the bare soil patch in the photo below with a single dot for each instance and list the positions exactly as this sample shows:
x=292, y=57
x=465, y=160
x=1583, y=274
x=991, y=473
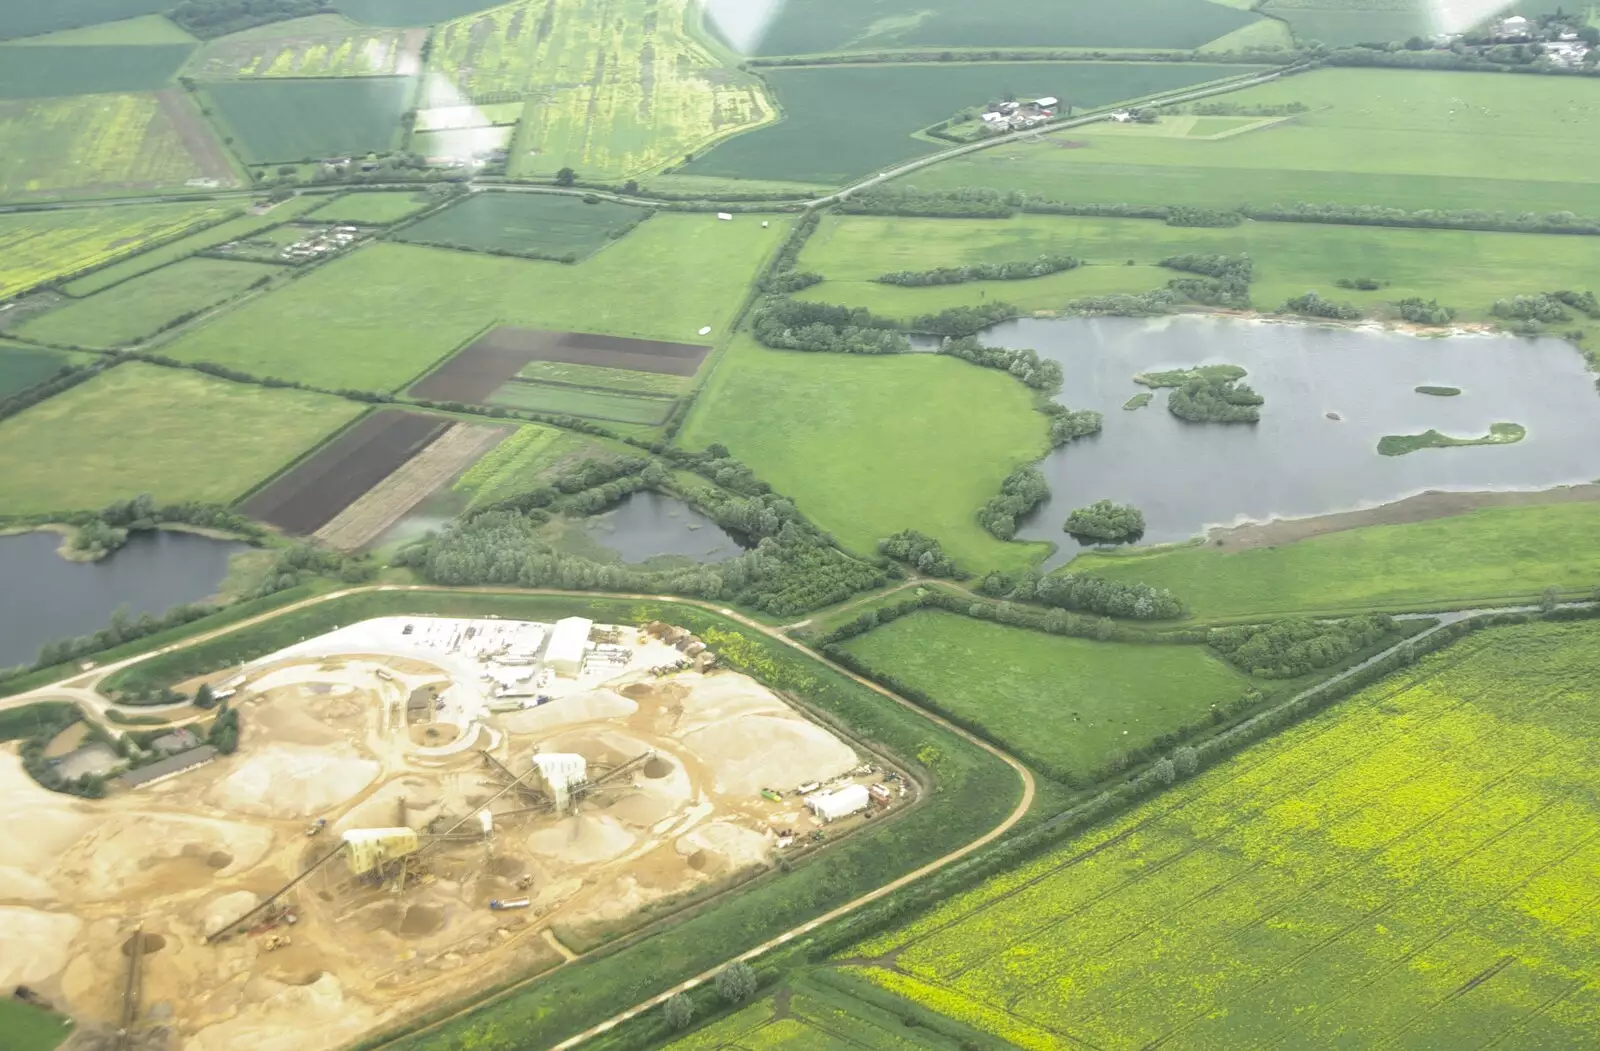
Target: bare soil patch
x=482, y=367
x=335, y=476
x=197, y=138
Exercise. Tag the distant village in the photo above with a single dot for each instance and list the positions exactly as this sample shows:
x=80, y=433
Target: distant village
x=1561, y=40
x=1015, y=116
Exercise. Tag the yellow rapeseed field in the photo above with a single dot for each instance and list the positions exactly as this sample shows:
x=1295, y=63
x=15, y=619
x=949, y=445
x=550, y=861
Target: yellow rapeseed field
x=613, y=88
x=37, y=247
x=320, y=49
x=1419, y=867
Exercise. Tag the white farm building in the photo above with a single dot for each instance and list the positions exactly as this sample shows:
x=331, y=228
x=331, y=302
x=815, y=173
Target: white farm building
x=564, y=655
x=831, y=806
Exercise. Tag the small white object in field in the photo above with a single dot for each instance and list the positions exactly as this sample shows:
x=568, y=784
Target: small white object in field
x=725, y=217
x=764, y=225
x=706, y=331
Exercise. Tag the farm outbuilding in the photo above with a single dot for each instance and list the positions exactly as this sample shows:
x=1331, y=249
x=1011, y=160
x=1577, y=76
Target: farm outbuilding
x=564, y=655
x=831, y=806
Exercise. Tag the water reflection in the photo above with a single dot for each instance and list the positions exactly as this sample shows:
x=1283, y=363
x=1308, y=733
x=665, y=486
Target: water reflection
x=649, y=525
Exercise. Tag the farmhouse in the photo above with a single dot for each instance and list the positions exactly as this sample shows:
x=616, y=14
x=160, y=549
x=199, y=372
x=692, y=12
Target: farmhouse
x=1514, y=28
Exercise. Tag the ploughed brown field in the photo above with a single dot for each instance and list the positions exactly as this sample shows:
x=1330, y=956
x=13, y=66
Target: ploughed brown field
x=313, y=492
x=482, y=367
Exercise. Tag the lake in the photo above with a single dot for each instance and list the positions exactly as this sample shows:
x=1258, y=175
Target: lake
x=45, y=598
x=1188, y=477
x=649, y=525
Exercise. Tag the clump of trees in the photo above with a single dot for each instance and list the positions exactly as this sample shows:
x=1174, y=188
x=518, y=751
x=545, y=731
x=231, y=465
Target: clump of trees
x=1026, y=365
x=1290, y=648
x=124, y=627
x=1425, y=312
x=1070, y=424
x=1022, y=491
x=963, y=321
x=108, y=529
x=1107, y=521
x=969, y=203
x=954, y=275
x=37, y=725
x=1123, y=304
x=1313, y=305
x=1083, y=593
x=1540, y=307
x=1583, y=302
x=224, y=733
x=1363, y=284
x=922, y=552
x=1224, y=280
x=1214, y=399
x=302, y=562
x=781, y=276
x=214, y=18
x=791, y=324
x=1185, y=215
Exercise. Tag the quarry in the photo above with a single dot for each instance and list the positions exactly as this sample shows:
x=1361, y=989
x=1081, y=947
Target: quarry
x=419, y=808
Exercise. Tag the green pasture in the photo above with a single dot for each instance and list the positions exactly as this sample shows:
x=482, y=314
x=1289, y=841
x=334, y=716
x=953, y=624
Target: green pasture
x=266, y=246
x=174, y=433
x=375, y=209
x=141, y=29
x=1401, y=138
x=593, y=404
x=625, y=380
x=137, y=309
x=867, y=446
x=1492, y=556
x=381, y=316
x=1068, y=706
x=409, y=12
x=232, y=230
x=842, y=122
x=545, y=224
x=804, y=27
x=25, y=18
x=24, y=1027
x=23, y=367
x=1465, y=269
x=41, y=72
x=304, y=120
x=1341, y=23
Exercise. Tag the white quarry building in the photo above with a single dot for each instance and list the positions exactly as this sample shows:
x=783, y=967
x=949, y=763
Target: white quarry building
x=558, y=772
x=568, y=641
x=831, y=806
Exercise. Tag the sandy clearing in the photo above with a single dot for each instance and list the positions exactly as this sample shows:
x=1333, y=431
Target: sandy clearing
x=582, y=839
x=716, y=698
x=288, y=781
x=140, y=850
x=34, y=945
x=423, y=797
x=320, y=1008
x=752, y=752
x=568, y=711
x=734, y=845
x=36, y=826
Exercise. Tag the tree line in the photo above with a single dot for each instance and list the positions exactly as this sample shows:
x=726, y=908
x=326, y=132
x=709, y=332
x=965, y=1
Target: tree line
x=101, y=532
x=792, y=324
x=1224, y=280
x=1025, y=364
x=922, y=552
x=1425, y=312
x=1016, y=270
x=1106, y=521
x=1311, y=304
x=213, y=18
x=1022, y=491
x=1081, y=592
x=1287, y=649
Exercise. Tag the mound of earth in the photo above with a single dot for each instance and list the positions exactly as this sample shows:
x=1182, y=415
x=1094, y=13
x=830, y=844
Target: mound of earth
x=282, y=1016
x=582, y=839
x=567, y=711
x=287, y=781
x=224, y=909
x=133, y=851
x=716, y=698
x=33, y=945
x=755, y=751
x=382, y=808
x=733, y=845
x=36, y=826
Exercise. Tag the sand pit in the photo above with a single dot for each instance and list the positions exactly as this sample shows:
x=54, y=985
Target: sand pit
x=713, y=699
x=755, y=751
x=567, y=711
x=423, y=797
x=732, y=846
x=33, y=945
x=135, y=851
x=223, y=910
x=287, y=781
x=284, y=1015
x=582, y=840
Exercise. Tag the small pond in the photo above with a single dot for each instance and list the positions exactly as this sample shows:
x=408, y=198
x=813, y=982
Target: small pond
x=648, y=525
x=1297, y=461
x=44, y=598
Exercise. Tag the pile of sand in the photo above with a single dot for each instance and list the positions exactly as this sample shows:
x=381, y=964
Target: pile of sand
x=423, y=797
x=132, y=852
x=287, y=781
x=33, y=945
x=223, y=910
x=582, y=839
x=752, y=752
x=288, y=1018
x=657, y=797
x=566, y=711
x=732, y=846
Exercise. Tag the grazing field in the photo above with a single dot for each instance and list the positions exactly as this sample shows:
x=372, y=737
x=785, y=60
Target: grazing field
x=29, y=1028
x=41, y=72
x=610, y=94
x=592, y=404
x=1417, y=867
x=303, y=120
x=43, y=246
x=141, y=29
x=24, y=18
x=536, y=224
x=138, y=309
x=912, y=441
x=222, y=233
x=381, y=316
x=106, y=143
x=804, y=27
x=408, y=12
x=174, y=433
x=1341, y=23
x=1400, y=138
x=310, y=494
x=373, y=209
x=1466, y=269
x=313, y=50
x=1493, y=556
x=829, y=136
x=23, y=367
x=1067, y=706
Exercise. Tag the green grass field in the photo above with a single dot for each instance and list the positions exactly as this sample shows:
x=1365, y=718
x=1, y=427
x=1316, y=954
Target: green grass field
x=610, y=94
x=105, y=144
x=24, y=18
x=22, y=367
x=809, y=26
x=592, y=404
x=408, y=12
x=136, y=310
x=868, y=446
x=1401, y=138
x=303, y=120
x=374, y=209
x=1067, y=706
x=1344, y=22
x=1468, y=270
x=1492, y=556
x=141, y=29
x=41, y=72
x=144, y=262
x=28, y=1028
x=829, y=134
x=524, y=222
x=36, y=247
x=381, y=316
x=174, y=433
x=1418, y=867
